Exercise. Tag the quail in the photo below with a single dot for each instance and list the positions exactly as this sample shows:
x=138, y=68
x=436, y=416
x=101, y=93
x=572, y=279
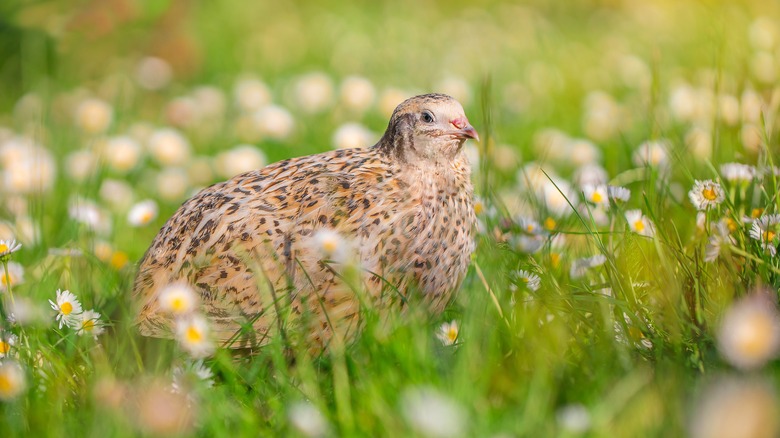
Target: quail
x=246, y=246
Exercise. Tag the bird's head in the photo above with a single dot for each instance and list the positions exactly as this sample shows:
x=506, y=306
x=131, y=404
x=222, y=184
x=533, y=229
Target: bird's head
x=427, y=127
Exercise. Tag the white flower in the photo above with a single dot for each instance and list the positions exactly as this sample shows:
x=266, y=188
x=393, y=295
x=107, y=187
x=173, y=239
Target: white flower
x=357, y=93
x=274, y=122
x=706, y=194
x=528, y=244
x=192, y=375
x=15, y=275
x=307, y=419
x=582, y=152
x=331, y=245
x=621, y=194
x=94, y=116
x=169, y=147
x=352, y=135
x=448, y=332
x=178, y=299
x=736, y=407
x=7, y=343
x=172, y=183
x=142, y=213
x=24, y=312
x=116, y=193
x=26, y=167
x=89, y=214
x=590, y=174
x=580, y=267
x=638, y=223
x=240, y=159
x=651, y=153
x=433, y=414
x=153, y=73
x=573, y=418
x=738, y=172
x=313, y=92
x=529, y=225
x=194, y=335
x=456, y=87
x=88, y=323
x=715, y=244
x=122, y=153
x=251, y=94
x=765, y=230
x=67, y=306
x=559, y=197
x=749, y=335
x=12, y=380
x=598, y=195
x=528, y=279
x=81, y=164
x=8, y=247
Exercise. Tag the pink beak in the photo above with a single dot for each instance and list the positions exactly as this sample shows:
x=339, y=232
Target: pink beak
x=465, y=130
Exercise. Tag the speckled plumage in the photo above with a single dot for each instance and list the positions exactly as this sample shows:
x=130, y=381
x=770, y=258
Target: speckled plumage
x=245, y=245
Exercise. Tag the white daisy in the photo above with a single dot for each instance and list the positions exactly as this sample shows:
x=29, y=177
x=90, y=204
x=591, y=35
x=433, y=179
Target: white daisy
x=88, y=323
x=580, y=267
x=749, y=334
x=308, y=420
x=617, y=193
x=7, y=343
x=448, y=332
x=8, y=247
x=529, y=225
x=738, y=172
x=194, y=335
x=530, y=280
x=15, y=275
x=432, y=413
x=12, y=380
x=706, y=194
x=639, y=224
x=67, y=306
x=717, y=242
x=142, y=213
x=331, y=245
x=651, y=153
x=765, y=229
x=178, y=299
x=191, y=375
x=598, y=195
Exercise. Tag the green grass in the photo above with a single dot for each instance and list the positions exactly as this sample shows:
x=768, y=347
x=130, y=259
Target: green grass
x=633, y=341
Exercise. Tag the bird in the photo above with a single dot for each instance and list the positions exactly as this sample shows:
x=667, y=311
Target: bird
x=251, y=247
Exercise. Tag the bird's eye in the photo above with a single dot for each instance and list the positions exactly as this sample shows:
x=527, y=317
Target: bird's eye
x=427, y=117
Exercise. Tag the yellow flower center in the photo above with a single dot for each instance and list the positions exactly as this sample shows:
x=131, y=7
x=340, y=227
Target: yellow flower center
x=709, y=194
x=6, y=386
x=193, y=335
x=755, y=337
x=3, y=248
x=66, y=308
x=555, y=259
x=119, y=259
x=452, y=334
x=5, y=347
x=479, y=208
x=5, y=279
x=596, y=198
x=731, y=224
x=525, y=279
x=329, y=246
x=549, y=223
x=88, y=325
x=146, y=217
x=530, y=228
x=177, y=304
x=769, y=235
x=639, y=225
x=756, y=213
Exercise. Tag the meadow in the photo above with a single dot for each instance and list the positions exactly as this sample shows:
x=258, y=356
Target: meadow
x=625, y=281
